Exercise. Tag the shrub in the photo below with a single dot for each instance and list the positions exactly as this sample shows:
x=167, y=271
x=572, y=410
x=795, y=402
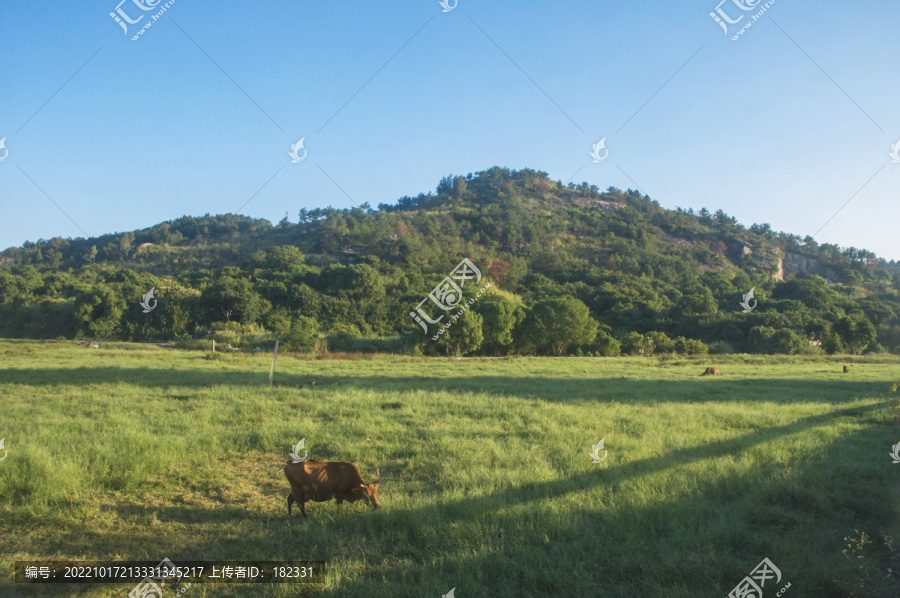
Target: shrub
x=605, y=345
x=632, y=343
x=234, y=333
x=658, y=342
x=347, y=343
x=720, y=348
x=785, y=341
x=809, y=347
x=304, y=336
x=689, y=346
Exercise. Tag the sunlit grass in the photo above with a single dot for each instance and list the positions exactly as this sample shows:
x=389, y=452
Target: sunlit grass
x=485, y=477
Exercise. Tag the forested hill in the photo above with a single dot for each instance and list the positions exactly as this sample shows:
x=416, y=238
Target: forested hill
x=652, y=279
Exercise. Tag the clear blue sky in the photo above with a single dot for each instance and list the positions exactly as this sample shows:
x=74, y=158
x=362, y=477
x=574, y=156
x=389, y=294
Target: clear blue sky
x=150, y=130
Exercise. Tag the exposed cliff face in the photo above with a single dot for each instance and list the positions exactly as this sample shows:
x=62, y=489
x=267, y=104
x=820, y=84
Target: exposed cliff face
x=770, y=259
x=799, y=264
x=766, y=259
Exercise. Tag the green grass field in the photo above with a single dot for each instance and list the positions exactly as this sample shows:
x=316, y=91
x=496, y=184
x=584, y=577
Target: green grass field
x=142, y=453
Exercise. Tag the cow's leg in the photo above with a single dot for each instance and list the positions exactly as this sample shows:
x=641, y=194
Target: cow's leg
x=302, y=504
x=290, y=498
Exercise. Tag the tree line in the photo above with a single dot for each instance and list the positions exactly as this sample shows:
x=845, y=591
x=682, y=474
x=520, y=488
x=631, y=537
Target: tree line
x=573, y=270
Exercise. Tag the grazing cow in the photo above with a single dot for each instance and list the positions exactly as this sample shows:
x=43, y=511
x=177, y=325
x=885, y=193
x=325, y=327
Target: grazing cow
x=711, y=371
x=321, y=481
x=846, y=369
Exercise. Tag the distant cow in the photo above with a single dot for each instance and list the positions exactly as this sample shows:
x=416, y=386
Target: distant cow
x=711, y=372
x=322, y=481
x=846, y=369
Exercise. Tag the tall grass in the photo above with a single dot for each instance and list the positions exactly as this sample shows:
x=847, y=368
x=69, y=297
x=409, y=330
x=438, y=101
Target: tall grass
x=484, y=471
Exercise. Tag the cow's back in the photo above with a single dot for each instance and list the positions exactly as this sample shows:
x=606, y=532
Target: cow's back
x=322, y=481
x=306, y=472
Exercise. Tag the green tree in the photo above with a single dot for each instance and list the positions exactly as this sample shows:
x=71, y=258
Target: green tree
x=857, y=332
x=787, y=342
x=605, y=345
x=696, y=304
x=760, y=338
x=54, y=259
x=302, y=335
x=279, y=323
x=500, y=317
x=658, y=342
x=559, y=323
x=100, y=310
x=283, y=257
x=229, y=298
x=125, y=243
x=689, y=346
x=459, y=187
x=463, y=336
x=632, y=343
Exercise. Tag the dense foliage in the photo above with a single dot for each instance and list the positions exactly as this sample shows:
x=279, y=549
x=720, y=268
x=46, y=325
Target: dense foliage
x=573, y=271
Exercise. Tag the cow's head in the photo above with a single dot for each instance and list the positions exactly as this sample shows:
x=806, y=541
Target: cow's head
x=369, y=493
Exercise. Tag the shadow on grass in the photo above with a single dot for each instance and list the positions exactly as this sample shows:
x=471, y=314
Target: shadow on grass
x=553, y=389
x=699, y=545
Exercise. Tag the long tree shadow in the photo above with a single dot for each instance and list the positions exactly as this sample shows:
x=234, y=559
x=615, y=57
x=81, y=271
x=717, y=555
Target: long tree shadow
x=555, y=389
x=698, y=545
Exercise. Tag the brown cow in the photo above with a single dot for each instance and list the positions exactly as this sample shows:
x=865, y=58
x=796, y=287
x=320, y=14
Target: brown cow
x=711, y=371
x=322, y=481
x=846, y=369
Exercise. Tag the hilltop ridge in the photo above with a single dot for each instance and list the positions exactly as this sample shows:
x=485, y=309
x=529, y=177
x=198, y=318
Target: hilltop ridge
x=639, y=268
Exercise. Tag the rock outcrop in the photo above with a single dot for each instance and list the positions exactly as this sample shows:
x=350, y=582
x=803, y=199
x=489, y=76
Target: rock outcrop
x=797, y=264
x=742, y=247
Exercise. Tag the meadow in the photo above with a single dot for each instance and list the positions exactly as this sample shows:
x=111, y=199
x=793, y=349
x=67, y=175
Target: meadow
x=137, y=452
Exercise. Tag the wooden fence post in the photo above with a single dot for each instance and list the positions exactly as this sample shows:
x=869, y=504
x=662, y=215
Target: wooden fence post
x=214, y=346
x=274, y=357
